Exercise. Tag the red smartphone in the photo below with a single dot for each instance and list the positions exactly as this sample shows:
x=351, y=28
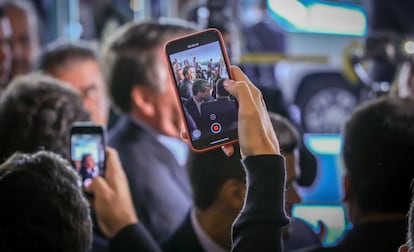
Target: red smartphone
x=199, y=65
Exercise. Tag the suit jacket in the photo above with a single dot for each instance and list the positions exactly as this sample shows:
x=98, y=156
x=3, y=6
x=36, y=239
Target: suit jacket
x=159, y=185
x=191, y=107
x=85, y=174
x=185, y=88
x=375, y=236
x=183, y=239
x=225, y=111
x=300, y=236
x=259, y=224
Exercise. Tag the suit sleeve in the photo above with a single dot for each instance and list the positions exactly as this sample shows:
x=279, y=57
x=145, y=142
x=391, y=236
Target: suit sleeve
x=133, y=238
x=259, y=224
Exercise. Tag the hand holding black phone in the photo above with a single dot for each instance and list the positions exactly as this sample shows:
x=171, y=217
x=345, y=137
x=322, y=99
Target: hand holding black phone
x=87, y=150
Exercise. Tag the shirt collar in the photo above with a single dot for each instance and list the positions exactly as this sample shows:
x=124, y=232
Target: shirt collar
x=206, y=242
x=178, y=148
x=198, y=104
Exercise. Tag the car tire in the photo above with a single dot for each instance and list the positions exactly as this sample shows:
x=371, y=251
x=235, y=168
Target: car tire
x=325, y=101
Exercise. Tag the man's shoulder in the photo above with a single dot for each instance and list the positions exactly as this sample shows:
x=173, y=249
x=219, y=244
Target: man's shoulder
x=126, y=132
x=183, y=239
x=136, y=146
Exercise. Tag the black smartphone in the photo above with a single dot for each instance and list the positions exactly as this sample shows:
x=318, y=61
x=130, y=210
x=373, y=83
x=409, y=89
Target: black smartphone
x=199, y=65
x=87, y=150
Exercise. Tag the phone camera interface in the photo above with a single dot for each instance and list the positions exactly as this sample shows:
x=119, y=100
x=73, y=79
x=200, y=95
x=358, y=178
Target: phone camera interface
x=200, y=72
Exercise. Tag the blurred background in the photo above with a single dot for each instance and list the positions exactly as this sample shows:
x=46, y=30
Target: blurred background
x=309, y=58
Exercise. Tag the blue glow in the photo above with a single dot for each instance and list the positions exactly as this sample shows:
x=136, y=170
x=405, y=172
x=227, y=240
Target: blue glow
x=333, y=216
x=322, y=201
x=319, y=17
x=324, y=144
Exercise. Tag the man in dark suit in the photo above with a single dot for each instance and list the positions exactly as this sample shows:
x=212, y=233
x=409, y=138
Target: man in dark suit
x=185, y=85
x=218, y=184
x=147, y=136
x=378, y=152
x=201, y=90
x=222, y=110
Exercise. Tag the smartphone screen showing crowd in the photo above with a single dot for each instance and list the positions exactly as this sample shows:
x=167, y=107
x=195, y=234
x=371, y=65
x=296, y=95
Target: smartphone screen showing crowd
x=199, y=66
x=87, y=151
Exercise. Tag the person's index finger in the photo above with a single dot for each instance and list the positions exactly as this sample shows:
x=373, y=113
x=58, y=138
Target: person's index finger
x=98, y=186
x=238, y=74
x=242, y=92
x=114, y=174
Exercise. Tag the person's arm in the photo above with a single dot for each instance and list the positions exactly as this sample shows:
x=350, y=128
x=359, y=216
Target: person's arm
x=115, y=212
x=259, y=224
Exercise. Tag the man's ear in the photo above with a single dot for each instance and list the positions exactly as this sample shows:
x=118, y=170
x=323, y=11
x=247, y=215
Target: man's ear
x=347, y=188
x=233, y=192
x=404, y=248
x=142, y=99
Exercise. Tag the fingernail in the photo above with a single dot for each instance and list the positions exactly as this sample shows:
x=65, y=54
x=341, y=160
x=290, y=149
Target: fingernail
x=228, y=82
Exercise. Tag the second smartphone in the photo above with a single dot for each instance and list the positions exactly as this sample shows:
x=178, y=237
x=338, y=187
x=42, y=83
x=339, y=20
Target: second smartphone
x=199, y=65
x=87, y=150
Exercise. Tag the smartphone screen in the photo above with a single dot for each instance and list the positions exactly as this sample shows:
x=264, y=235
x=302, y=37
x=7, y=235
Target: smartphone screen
x=199, y=65
x=88, y=151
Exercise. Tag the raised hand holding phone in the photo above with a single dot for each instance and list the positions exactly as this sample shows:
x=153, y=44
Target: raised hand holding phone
x=112, y=198
x=256, y=134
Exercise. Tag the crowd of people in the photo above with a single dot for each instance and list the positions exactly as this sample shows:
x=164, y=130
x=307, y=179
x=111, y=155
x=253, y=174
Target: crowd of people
x=156, y=194
x=201, y=92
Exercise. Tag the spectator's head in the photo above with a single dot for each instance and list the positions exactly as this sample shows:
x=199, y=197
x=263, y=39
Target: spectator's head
x=42, y=206
x=5, y=49
x=210, y=172
x=378, y=156
x=189, y=73
x=218, y=186
x=220, y=90
x=289, y=140
x=36, y=112
x=87, y=161
x=25, y=38
x=77, y=64
x=139, y=81
x=179, y=74
x=201, y=90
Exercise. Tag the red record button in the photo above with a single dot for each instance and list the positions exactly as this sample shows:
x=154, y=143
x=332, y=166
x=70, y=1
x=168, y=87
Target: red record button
x=215, y=128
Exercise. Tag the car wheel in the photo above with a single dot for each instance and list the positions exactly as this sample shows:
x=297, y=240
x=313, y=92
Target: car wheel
x=325, y=102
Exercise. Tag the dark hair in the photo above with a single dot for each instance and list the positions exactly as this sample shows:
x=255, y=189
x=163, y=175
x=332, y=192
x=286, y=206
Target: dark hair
x=131, y=59
x=185, y=70
x=208, y=171
x=42, y=206
x=287, y=134
x=220, y=90
x=379, y=154
x=199, y=85
x=36, y=112
x=84, y=158
x=60, y=53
